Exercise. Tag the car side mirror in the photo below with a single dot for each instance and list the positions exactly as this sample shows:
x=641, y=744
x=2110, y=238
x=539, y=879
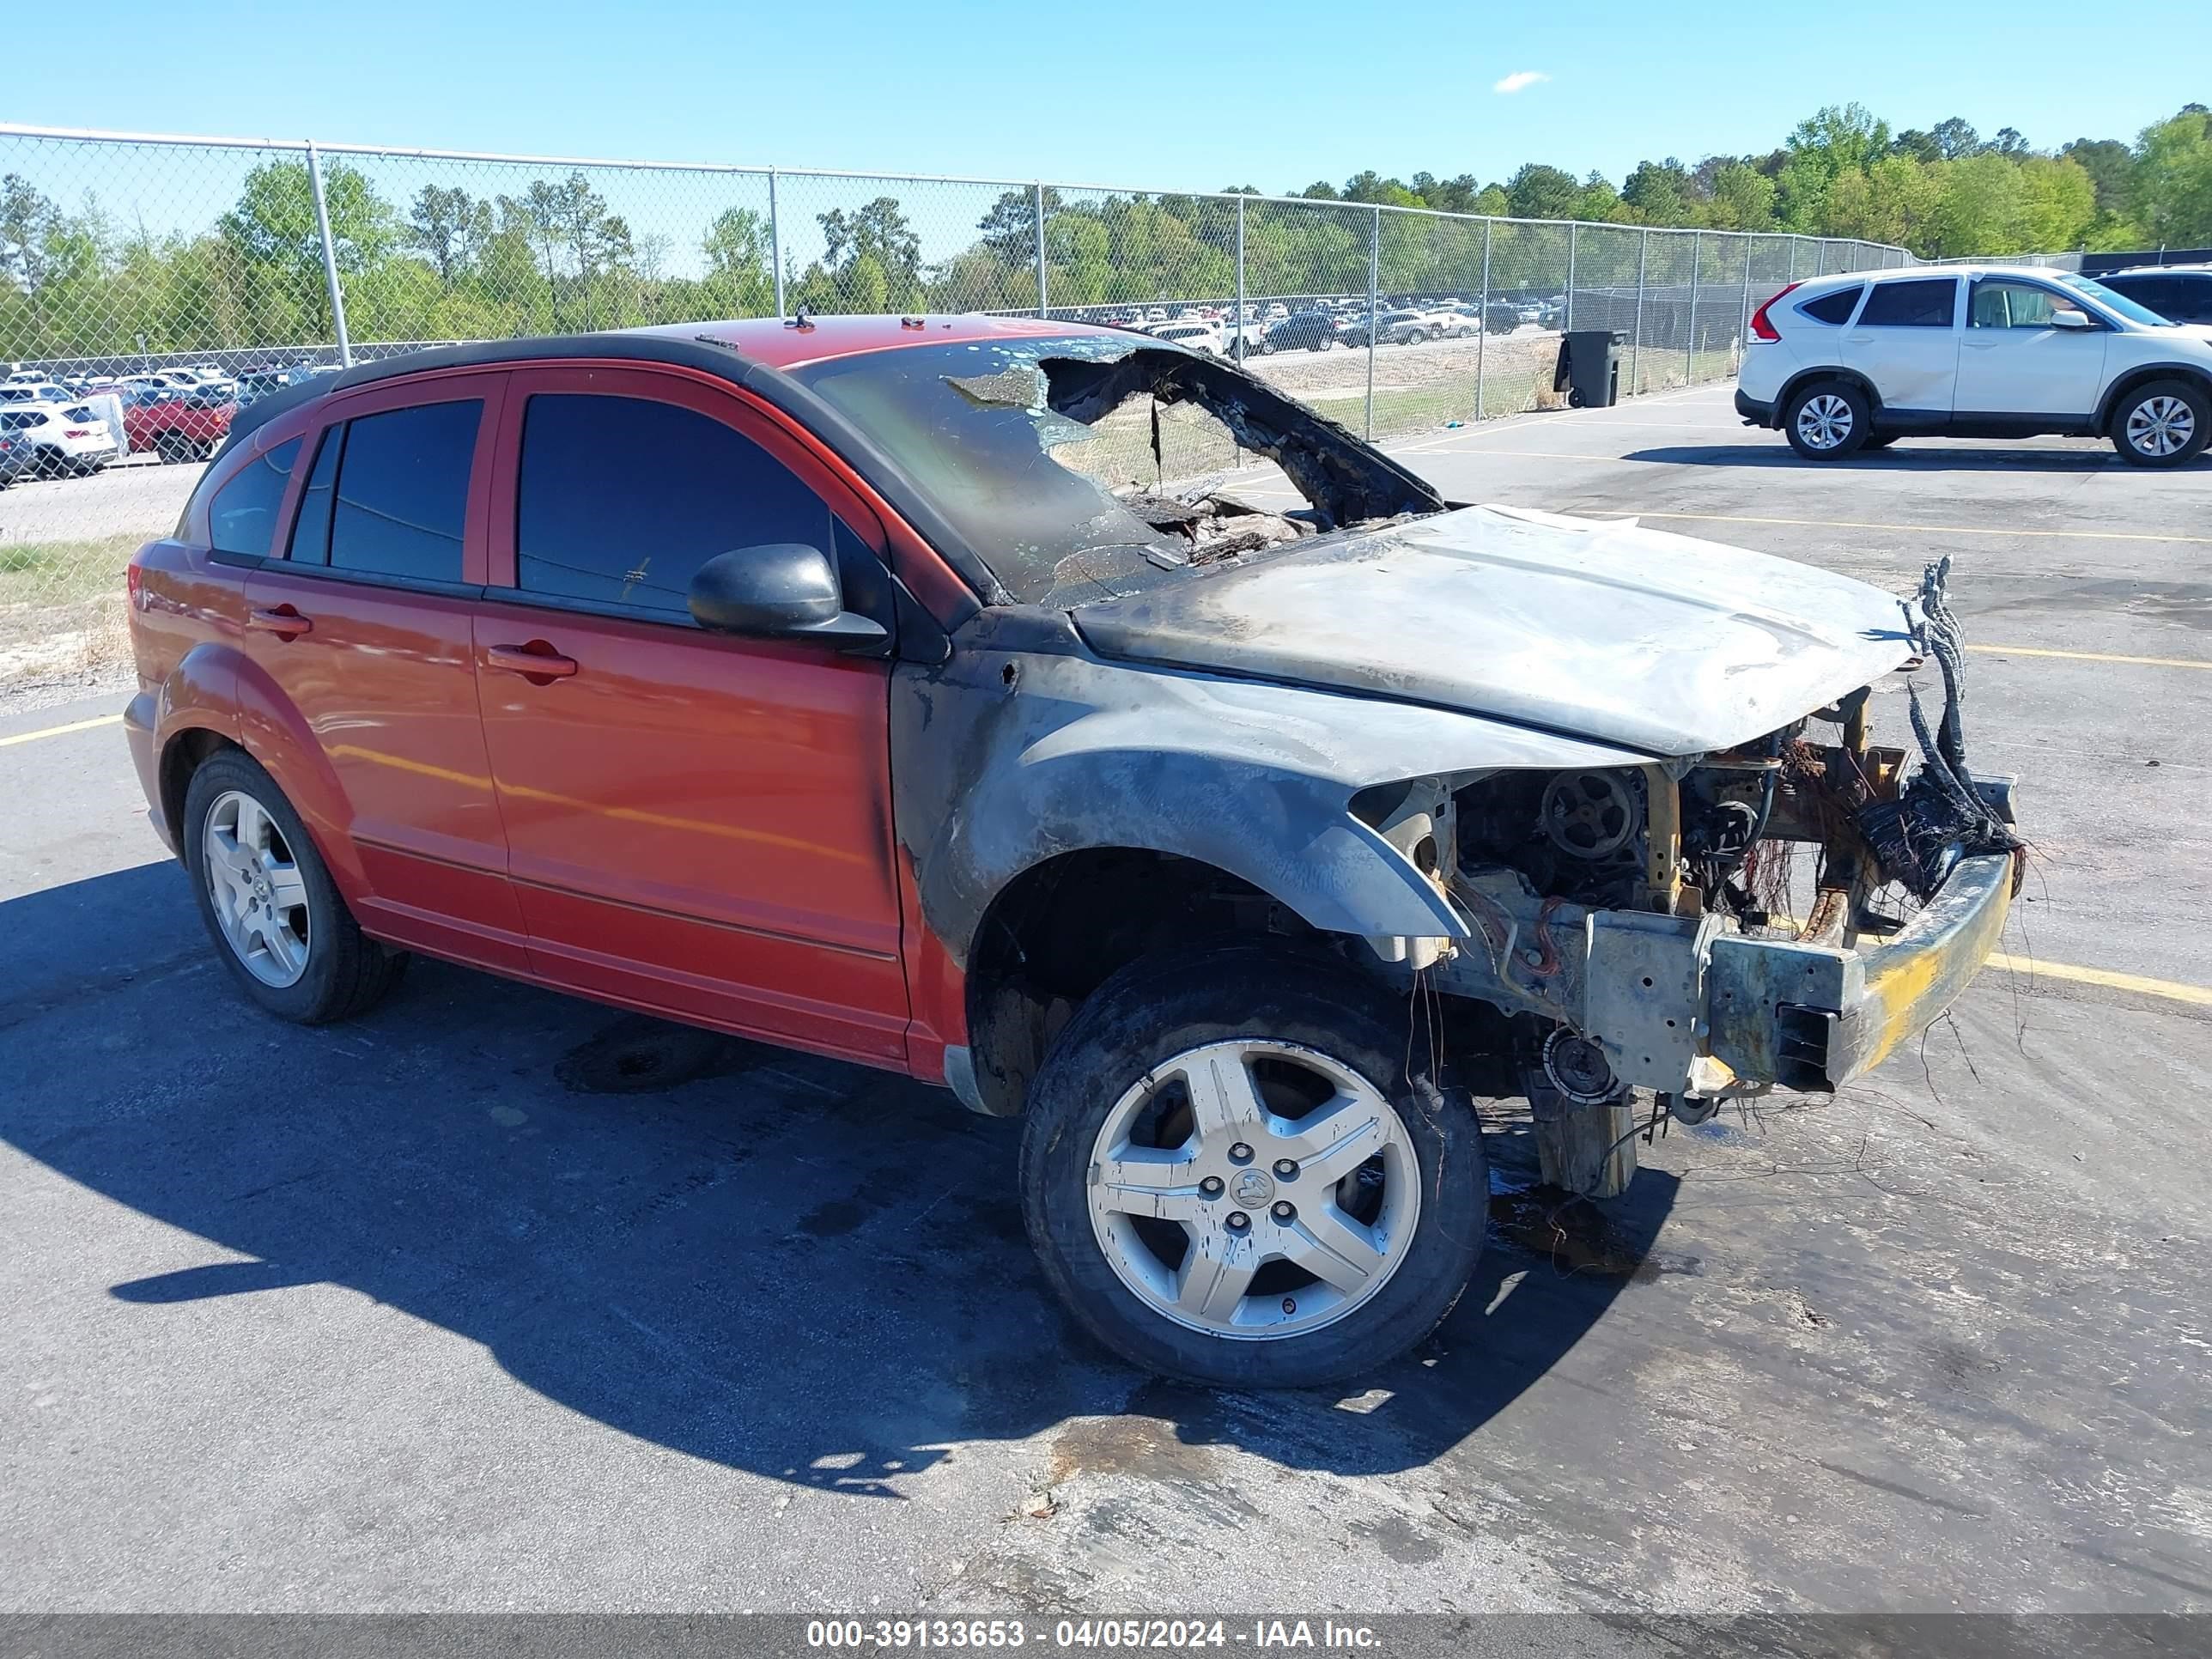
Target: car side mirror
x=778, y=591
x=2070, y=320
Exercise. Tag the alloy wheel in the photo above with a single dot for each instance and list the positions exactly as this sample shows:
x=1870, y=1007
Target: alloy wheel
x=2161, y=426
x=1254, y=1189
x=1825, y=422
x=258, y=894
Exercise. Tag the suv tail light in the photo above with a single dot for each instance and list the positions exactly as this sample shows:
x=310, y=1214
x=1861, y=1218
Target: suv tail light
x=134, y=577
x=76, y=432
x=1760, y=328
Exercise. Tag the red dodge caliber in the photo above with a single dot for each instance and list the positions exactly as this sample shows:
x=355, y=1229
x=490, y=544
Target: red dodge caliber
x=968, y=697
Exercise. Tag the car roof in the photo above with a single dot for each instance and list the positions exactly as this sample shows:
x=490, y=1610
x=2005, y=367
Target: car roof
x=2197, y=269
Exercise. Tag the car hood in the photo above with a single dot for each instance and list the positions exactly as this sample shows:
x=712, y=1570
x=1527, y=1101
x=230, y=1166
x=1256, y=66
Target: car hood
x=1603, y=629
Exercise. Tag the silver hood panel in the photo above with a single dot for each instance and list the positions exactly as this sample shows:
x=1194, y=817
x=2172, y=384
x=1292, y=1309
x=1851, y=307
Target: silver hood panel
x=1607, y=630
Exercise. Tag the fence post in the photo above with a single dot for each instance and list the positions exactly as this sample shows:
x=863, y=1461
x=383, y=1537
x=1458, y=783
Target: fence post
x=329, y=257
x=1690, y=344
x=1743, y=319
x=1635, y=350
x=1242, y=320
x=1482, y=335
x=1572, y=232
x=1039, y=199
x=775, y=243
x=1374, y=280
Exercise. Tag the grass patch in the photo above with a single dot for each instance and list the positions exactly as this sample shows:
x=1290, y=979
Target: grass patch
x=62, y=605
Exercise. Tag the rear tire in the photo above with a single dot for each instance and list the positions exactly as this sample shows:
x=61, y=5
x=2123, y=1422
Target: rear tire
x=1214, y=1287
x=2165, y=423
x=174, y=447
x=1827, y=421
x=283, y=930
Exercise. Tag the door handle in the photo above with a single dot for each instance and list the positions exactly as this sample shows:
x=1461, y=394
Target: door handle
x=284, y=621
x=538, y=660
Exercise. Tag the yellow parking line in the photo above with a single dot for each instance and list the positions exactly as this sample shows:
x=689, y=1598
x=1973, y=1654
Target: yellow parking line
x=2199, y=996
x=61, y=731
x=2091, y=656
x=1918, y=529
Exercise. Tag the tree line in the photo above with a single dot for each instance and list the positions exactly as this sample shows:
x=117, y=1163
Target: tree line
x=555, y=258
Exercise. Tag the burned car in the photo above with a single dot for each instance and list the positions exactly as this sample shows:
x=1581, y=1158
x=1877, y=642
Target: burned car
x=1077, y=722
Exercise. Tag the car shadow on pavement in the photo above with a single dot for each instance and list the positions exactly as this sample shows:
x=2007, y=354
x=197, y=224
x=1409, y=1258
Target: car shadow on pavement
x=1904, y=457
x=786, y=1265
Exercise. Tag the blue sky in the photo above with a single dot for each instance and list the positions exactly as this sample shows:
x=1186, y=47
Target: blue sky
x=1276, y=93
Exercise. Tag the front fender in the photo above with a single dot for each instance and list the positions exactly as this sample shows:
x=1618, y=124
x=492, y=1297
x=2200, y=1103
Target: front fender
x=1002, y=759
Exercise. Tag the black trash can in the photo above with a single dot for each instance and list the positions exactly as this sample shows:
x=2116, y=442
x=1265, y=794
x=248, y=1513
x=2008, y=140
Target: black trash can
x=1589, y=366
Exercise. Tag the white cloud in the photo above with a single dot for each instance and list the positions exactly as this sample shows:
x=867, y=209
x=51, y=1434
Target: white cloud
x=1519, y=80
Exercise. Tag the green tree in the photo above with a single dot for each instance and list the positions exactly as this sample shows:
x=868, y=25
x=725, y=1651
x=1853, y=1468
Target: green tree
x=2172, y=190
x=450, y=227
x=1743, y=198
x=1537, y=192
x=878, y=233
x=740, y=281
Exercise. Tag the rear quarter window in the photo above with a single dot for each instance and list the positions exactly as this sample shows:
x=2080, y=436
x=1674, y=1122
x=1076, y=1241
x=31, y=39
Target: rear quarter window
x=1834, y=309
x=242, y=517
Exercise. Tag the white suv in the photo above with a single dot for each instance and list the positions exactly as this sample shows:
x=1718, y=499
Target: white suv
x=1857, y=361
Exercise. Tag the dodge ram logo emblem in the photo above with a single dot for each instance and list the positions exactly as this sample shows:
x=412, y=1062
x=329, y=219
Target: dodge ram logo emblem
x=1253, y=1189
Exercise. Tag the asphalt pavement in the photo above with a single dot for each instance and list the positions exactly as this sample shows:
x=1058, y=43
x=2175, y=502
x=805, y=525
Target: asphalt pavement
x=498, y=1300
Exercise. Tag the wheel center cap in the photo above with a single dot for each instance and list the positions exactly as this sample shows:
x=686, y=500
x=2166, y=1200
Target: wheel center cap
x=1252, y=1188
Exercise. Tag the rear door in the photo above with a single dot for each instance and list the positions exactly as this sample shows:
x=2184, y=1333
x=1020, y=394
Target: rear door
x=362, y=618
x=2015, y=361
x=693, y=822
x=1905, y=342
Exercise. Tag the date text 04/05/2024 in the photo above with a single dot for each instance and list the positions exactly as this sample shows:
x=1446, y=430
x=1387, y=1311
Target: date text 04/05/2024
x=1088, y=1634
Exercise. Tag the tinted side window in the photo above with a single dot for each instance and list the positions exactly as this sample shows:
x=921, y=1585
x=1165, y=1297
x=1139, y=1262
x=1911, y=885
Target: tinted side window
x=402, y=491
x=311, y=529
x=2191, y=301
x=621, y=500
x=242, y=517
x=1929, y=304
x=1835, y=307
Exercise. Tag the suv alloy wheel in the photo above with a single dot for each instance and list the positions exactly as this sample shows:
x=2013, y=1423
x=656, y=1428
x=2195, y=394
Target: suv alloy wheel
x=2165, y=423
x=1827, y=421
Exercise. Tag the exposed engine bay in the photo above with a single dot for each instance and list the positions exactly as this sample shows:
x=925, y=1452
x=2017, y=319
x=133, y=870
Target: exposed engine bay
x=1596, y=896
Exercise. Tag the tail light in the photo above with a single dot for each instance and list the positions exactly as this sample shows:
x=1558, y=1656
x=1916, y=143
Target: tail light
x=76, y=432
x=1760, y=328
x=134, y=578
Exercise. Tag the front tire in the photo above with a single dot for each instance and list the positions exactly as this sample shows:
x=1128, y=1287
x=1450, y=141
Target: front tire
x=1827, y=421
x=269, y=902
x=1233, y=1175
x=2165, y=423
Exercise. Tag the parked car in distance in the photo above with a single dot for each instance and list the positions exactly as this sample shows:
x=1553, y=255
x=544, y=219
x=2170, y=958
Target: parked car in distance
x=1307, y=331
x=432, y=657
x=1277, y=311
x=1196, y=335
x=35, y=392
x=260, y=382
x=1843, y=363
x=62, y=440
x=175, y=425
x=17, y=459
x=2180, y=293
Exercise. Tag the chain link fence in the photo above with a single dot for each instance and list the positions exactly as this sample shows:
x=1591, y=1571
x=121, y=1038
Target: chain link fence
x=148, y=283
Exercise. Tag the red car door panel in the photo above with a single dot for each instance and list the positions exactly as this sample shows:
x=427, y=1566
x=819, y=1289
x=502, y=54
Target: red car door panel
x=374, y=653
x=694, y=822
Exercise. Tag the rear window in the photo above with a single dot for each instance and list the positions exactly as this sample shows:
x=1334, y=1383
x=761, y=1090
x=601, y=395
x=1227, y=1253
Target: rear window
x=242, y=517
x=1929, y=304
x=1836, y=308
x=21, y=420
x=402, y=491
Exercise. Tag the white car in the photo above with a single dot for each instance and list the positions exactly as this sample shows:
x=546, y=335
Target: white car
x=72, y=439
x=1198, y=336
x=1844, y=363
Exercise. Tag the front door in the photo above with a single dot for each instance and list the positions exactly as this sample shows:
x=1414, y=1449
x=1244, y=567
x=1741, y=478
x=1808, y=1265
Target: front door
x=361, y=616
x=695, y=823
x=2016, y=361
x=1905, y=342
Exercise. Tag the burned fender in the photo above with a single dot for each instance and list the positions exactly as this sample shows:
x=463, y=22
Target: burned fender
x=1024, y=746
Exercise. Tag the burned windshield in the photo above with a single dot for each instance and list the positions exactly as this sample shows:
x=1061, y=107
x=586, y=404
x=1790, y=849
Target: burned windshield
x=1083, y=467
